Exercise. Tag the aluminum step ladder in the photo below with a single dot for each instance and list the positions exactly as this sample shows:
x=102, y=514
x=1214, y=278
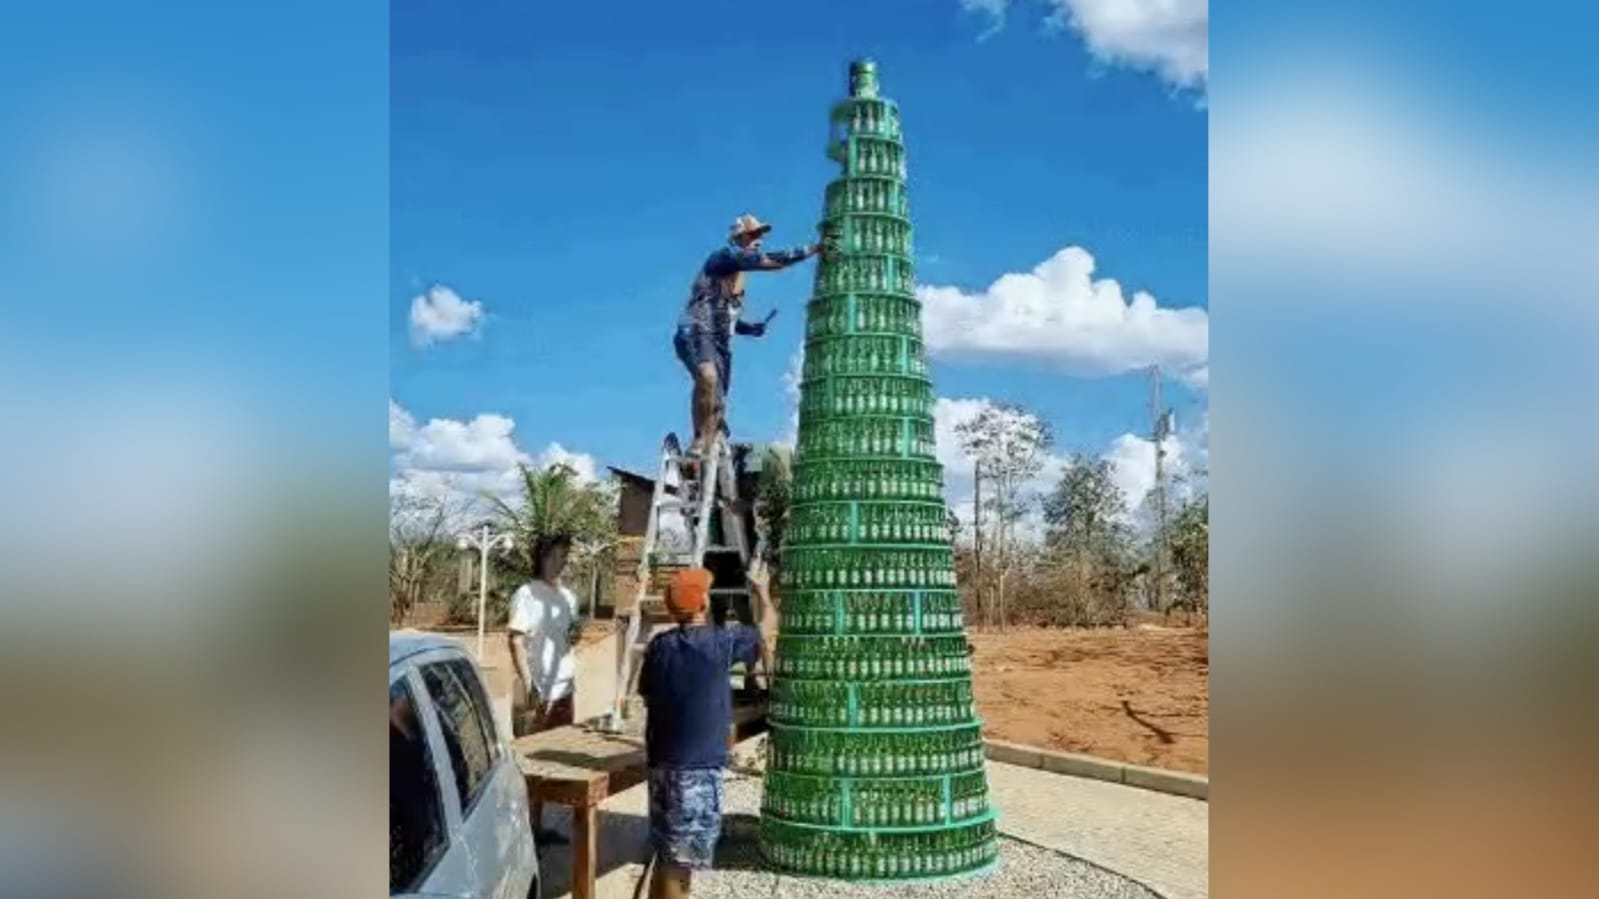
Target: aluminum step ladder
x=706, y=487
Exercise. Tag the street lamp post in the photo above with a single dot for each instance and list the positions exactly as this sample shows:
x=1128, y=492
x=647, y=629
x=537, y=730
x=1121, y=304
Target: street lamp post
x=485, y=540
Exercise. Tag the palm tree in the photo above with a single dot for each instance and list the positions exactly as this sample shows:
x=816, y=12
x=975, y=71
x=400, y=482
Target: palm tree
x=554, y=501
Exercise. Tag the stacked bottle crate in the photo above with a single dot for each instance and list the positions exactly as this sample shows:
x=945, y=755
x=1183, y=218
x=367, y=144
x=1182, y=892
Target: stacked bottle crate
x=875, y=766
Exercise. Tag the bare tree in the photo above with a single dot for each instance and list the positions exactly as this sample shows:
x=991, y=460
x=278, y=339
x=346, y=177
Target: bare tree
x=421, y=545
x=1010, y=445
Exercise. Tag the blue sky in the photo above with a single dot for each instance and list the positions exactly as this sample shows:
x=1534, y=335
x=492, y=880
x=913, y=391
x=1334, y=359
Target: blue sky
x=568, y=171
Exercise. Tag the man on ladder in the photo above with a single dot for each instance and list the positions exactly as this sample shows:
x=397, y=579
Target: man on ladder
x=704, y=475
x=704, y=331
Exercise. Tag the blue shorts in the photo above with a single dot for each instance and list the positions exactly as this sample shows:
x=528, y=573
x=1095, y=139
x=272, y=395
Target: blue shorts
x=697, y=345
x=685, y=814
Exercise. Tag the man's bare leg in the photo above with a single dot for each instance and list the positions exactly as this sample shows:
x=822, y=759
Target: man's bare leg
x=707, y=405
x=670, y=881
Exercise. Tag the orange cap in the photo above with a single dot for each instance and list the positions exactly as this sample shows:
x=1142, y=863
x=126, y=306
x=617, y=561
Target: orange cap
x=689, y=592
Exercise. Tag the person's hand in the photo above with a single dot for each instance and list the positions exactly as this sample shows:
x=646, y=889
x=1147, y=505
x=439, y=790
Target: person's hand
x=758, y=329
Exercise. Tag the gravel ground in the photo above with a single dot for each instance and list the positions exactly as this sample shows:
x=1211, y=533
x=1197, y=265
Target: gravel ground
x=1024, y=870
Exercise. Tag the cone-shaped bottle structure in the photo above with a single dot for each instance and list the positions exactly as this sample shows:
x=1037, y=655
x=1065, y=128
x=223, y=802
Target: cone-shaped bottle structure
x=875, y=765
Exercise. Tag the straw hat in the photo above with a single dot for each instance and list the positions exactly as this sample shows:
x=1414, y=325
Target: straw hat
x=749, y=225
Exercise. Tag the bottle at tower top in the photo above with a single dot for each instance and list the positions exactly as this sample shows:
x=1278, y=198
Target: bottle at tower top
x=863, y=78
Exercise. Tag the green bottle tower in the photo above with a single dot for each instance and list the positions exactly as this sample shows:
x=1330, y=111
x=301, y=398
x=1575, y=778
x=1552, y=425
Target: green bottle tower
x=875, y=765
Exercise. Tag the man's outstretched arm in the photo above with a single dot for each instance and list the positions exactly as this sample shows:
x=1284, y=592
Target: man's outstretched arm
x=747, y=260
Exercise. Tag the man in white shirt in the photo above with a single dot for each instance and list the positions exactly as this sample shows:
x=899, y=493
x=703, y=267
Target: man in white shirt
x=542, y=631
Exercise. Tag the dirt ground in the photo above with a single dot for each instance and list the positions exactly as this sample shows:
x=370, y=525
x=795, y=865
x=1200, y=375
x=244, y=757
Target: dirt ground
x=1138, y=695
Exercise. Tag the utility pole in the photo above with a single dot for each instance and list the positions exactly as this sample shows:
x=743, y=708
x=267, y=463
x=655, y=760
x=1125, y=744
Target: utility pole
x=484, y=541
x=977, y=539
x=1160, y=429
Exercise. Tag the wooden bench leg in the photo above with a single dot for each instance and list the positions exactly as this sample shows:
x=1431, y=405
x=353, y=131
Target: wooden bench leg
x=584, y=862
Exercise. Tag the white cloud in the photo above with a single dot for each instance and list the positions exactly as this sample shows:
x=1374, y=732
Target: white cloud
x=441, y=314
x=581, y=463
x=1131, y=457
x=484, y=443
x=1059, y=314
x=1168, y=37
x=401, y=426
x=463, y=460
x=1132, y=464
x=948, y=415
x=791, y=389
x=995, y=8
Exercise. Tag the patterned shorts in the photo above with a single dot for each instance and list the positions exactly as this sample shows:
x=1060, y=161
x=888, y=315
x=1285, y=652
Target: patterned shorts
x=686, y=814
x=697, y=345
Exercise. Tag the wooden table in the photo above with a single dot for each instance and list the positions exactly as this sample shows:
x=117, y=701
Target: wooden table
x=579, y=767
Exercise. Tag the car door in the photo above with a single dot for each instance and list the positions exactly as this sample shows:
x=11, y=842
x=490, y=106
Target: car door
x=516, y=855
x=494, y=823
x=424, y=856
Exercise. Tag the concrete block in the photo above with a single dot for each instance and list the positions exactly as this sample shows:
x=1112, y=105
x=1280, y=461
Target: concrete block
x=1014, y=754
x=1178, y=783
x=1078, y=765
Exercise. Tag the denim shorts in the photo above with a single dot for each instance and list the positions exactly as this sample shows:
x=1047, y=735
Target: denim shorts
x=697, y=345
x=685, y=814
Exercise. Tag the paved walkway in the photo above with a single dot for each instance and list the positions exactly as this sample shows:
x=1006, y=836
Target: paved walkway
x=1159, y=840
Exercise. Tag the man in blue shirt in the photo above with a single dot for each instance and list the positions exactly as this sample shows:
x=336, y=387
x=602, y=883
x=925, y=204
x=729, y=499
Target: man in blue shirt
x=711, y=317
x=689, y=716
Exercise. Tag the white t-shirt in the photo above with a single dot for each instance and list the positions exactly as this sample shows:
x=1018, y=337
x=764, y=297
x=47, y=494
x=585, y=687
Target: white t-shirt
x=543, y=615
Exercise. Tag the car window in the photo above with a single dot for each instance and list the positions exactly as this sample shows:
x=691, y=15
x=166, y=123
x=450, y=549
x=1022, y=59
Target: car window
x=416, y=808
x=471, y=750
x=480, y=704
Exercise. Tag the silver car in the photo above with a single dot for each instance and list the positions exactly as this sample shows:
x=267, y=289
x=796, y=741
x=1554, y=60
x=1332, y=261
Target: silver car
x=458, y=807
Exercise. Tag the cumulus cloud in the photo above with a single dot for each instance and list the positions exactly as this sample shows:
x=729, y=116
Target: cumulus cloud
x=401, y=426
x=1132, y=464
x=959, y=484
x=441, y=314
x=581, y=463
x=1059, y=314
x=482, y=444
x=1168, y=37
x=1131, y=458
x=791, y=389
x=462, y=461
